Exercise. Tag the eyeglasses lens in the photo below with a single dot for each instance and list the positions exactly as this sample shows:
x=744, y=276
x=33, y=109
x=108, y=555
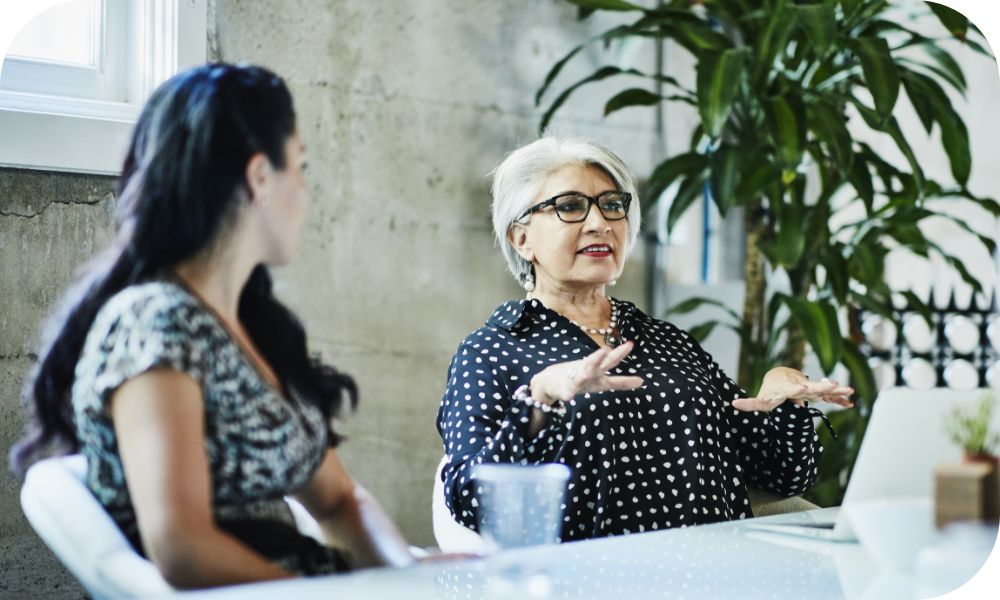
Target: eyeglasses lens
x=613, y=206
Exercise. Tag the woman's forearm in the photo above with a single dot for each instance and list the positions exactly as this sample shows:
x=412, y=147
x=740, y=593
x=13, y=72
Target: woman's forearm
x=208, y=559
x=360, y=526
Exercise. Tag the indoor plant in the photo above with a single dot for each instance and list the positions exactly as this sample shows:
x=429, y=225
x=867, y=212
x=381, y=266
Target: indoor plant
x=775, y=86
x=969, y=429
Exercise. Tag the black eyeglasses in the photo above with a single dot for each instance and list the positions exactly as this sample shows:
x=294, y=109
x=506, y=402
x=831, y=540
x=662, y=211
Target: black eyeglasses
x=573, y=207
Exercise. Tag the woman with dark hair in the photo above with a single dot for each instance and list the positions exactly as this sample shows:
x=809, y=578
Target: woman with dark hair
x=174, y=369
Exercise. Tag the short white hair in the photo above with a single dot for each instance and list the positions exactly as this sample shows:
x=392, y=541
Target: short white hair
x=518, y=179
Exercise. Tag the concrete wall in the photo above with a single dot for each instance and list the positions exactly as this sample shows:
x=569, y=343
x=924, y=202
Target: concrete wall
x=48, y=223
x=405, y=106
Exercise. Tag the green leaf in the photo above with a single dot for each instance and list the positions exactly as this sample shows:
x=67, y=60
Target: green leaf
x=631, y=97
x=955, y=139
x=637, y=28
x=891, y=126
x=862, y=378
x=718, y=81
x=885, y=28
x=555, y=70
x=691, y=33
x=880, y=71
x=668, y=171
x=786, y=248
x=618, y=5
x=818, y=321
x=861, y=179
x=915, y=303
x=932, y=104
x=786, y=123
x=911, y=238
x=689, y=191
x=955, y=22
x=869, y=303
x=929, y=69
x=867, y=264
x=959, y=266
x=773, y=306
x=837, y=274
x=921, y=104
x=977, y=47
x=702, y=330
x=691, y=304
x=988, y=204
x=772, y=41
x=820, y=24
x=850, y=6
x=987, y=242
x=758, y=175
x=727, y=163
x=598, y=75
x=947, y=63
x=830, y=128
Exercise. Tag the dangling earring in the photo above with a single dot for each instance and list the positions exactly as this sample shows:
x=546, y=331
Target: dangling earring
x=528, y=282
x=612, y=282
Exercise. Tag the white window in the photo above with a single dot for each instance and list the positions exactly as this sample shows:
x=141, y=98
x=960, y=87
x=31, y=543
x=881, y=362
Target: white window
x=75, y=74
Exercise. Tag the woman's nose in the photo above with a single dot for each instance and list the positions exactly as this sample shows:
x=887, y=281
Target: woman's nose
x=595, y=221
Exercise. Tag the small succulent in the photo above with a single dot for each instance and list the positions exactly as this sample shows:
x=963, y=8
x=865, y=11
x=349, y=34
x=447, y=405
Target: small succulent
x=969, y=427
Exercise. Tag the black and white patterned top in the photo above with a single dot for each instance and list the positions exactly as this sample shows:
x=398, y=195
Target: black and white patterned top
x=260, y=444
x=671, y=453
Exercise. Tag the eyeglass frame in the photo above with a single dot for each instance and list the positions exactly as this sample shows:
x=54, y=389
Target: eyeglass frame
x=591, y=202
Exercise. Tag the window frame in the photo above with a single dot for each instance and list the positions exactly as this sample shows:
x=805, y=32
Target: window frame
x=54, y=132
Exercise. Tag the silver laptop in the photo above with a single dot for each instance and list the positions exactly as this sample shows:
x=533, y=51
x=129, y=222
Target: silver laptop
x=905, y=440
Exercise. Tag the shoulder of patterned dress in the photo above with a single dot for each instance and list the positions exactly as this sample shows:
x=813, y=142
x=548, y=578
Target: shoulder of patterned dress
x=152, y=304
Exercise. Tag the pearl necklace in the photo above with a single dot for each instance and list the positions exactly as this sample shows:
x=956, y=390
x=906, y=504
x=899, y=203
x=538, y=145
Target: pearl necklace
x=607, y=333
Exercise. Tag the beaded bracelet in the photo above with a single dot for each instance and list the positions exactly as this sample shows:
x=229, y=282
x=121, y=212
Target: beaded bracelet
x=522, y=394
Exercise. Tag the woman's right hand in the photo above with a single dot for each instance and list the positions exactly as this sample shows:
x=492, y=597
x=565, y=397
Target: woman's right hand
x=563, y=381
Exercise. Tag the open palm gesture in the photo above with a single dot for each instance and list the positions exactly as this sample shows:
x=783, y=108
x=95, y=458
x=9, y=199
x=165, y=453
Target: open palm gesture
x=564, y=381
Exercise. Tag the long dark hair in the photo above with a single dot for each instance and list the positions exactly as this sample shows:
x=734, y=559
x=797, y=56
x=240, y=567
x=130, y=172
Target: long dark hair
x=182, y=181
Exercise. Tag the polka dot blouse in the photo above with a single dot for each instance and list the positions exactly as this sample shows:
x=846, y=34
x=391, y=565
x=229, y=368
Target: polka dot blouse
x=671, y=453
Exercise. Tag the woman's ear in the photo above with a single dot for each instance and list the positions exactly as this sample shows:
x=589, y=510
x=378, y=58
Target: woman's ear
x=258, y=177
x=518, y=236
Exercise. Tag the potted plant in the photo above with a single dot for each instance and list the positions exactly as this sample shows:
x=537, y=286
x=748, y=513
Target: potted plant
x=970, y=490
x=969, y=429
x=777, y=83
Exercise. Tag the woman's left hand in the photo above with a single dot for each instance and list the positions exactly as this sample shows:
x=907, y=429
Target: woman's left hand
x=783, y=383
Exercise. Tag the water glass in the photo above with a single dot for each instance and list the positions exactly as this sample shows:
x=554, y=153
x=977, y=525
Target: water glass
x=520, y=505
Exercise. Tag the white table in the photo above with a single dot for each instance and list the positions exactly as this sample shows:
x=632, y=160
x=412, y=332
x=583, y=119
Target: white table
x=724, y=560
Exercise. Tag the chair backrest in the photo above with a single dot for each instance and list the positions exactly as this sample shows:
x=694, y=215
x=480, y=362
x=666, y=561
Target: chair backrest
x=78, y=530
x=451, y=535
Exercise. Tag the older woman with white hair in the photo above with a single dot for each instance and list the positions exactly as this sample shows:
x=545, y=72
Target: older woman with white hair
x=656, y=435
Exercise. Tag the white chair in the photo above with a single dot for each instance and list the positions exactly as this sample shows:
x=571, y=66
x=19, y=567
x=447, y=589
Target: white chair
x=78, y=530
x=452, y=536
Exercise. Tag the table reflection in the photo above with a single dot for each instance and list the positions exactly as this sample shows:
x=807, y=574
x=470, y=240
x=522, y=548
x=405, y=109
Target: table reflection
x=701, y=561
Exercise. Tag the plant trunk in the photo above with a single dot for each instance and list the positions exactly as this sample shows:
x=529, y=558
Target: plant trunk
x=795, y=340
x=754, y=302
x=795, y=346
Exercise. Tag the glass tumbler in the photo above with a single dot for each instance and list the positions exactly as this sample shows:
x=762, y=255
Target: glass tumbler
x=520, y=505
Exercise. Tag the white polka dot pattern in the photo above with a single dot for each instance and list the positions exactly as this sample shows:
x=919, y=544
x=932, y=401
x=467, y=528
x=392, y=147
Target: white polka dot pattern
x=671, y=453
